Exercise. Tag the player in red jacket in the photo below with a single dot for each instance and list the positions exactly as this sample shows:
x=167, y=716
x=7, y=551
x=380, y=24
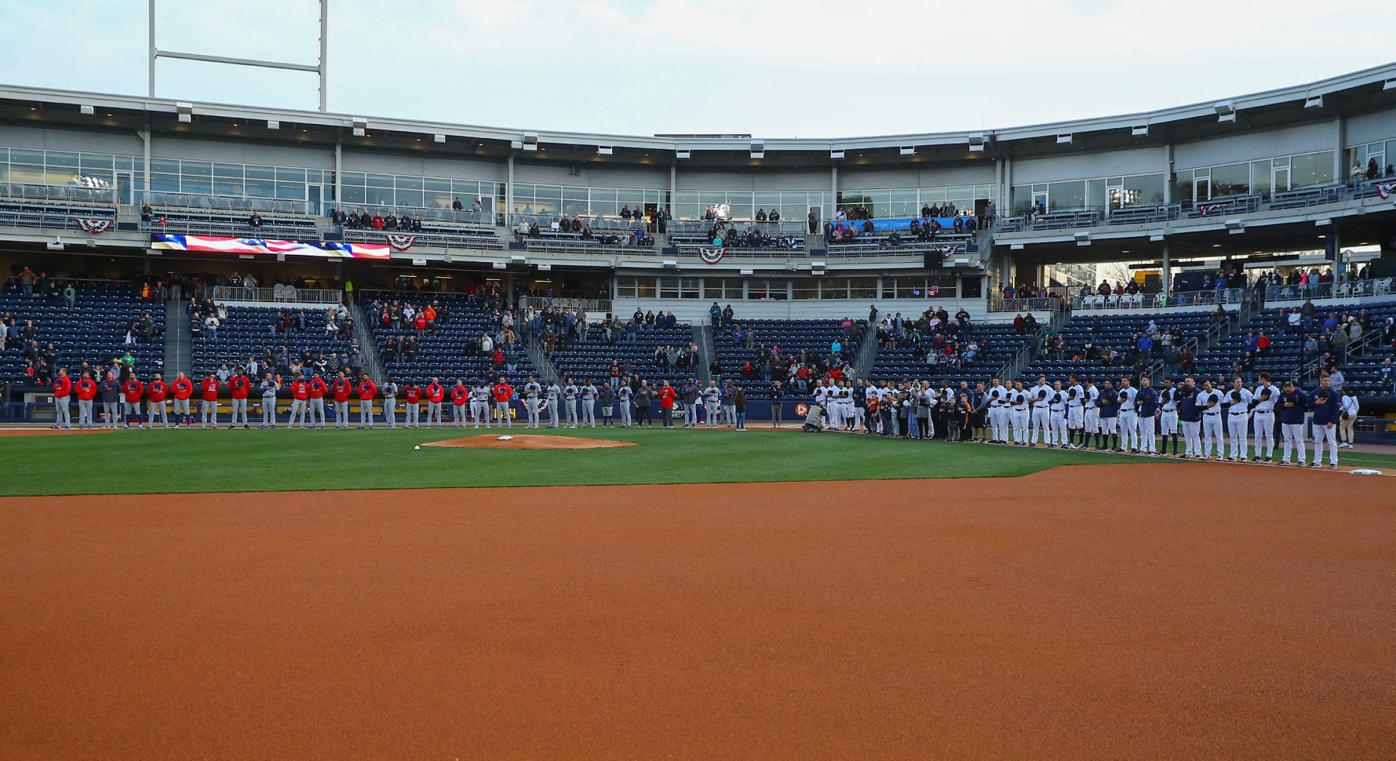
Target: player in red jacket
x=239, y=385
x=62, y=389
x=183, y=388
x=412, y=400
x=155, y=394
x=85, y=390
x=367, y=389
x=460, y=394
x=435, y=394
x=300, y=401
x=208, y=408
x=318, y=389
x=341, y=388
x=503, y=392
x=133, y=390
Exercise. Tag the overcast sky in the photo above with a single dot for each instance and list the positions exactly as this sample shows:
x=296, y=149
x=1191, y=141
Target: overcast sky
x=772, y=69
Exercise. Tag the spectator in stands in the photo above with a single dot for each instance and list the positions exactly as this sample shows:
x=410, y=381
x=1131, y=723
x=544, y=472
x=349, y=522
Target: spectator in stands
x=377, y=222
x=1373, y=169
x=255, y=221
x=147, y=213
x=456, y=205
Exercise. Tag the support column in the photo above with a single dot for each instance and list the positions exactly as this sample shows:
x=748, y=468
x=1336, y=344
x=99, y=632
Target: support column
x=1168, y=176
x=1336, y=239
x=1340, y=168
x=833, y=192
x=145, y=169
x=1167, y=275
x=673, y=184
x=1005, y=207
x=338, y=173
x=509, y=194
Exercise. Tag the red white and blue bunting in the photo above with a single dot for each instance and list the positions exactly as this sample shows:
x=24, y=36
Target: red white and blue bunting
x=711, y=255
x=1385, y=189
x=401, y=242
x=94, y=226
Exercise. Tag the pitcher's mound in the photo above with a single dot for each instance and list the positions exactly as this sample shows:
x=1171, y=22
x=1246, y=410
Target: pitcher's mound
x=491, y=441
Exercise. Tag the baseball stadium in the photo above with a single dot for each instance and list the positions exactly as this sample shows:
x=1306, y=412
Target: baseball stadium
x=334, y=435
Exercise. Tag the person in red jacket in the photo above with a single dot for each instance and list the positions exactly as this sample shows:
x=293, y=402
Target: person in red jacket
x=412, y=400
x=667, y=394
x=341, y=388
x=183, y=388
x=155, y=406
x=86, y=391
x=133, y=390
x=435, y=394
x=460, y=394
x=239, y=385
x=367, y=389
x=62, y=394
x=503, y=392
x=208, y=408
x=300, y=401
x=318, y=389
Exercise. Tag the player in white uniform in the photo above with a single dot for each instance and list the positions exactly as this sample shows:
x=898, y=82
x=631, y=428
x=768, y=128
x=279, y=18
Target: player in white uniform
x=1209, y=400
x=712, y=402
x=1168, y=415
x=1238, y=421
x=1040, y=425
x=623, y=395
x=1075, y=413
x=998, y=400
x=569, y=399
x=588, y=393
x=1091, y=414
x=826, y=396
x=1057, y=435
x=1265, y=397
x=1018, y=414
x=1129, y=417
x=553, y=401
x=532, y=398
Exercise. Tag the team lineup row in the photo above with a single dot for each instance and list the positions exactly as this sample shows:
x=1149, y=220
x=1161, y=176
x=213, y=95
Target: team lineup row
x=1213, y=423
x=1070, y=414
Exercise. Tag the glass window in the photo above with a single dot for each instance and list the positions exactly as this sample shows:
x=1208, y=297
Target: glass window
x=688, y=287
x=409, y=198
x=625, y=287
x=835, y=288
x=353, y=194
x=1260, y=176
x=164, y=166
x=863, y=287
x=260, y=172
x=198, y=185
x=668, y=287
x=644, y=287
x=61, y=159
x=24, y=156
x=1231, y=180
x=1146, y=189
x=259, y=188
x=1311, y=169
x=28, y=174
x=379, y=180
x=227, y=186
x=93, y=163
x=1065, y=196
x=164, y=183
x=375, y=196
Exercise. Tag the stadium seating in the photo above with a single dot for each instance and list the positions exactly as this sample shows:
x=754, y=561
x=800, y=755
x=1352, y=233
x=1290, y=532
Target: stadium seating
x=54, y=207
x=1116, y=331
x=179, y=213
x=999, y=343
x=592, y=358
x=813, y=336
x=248, y=332
x=445, y=352
x=440, y=227
x=1280, y=360
x=93, y=330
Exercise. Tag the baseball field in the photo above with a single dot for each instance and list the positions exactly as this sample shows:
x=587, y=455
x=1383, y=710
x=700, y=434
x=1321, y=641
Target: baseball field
x=688, y=594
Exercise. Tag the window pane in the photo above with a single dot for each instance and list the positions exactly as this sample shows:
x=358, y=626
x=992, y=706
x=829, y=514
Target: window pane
x=60, y=159
x=1231, y=180
x=1066, y=195
x=1311, y=169
x=1144, y=189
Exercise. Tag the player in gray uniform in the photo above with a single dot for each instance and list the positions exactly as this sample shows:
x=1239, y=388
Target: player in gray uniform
x=569, y=400
x=729, y=403
x=389, y=390
x=85, y=406
x=480, y=404
x=412, y=409
x=554, y=404
x=1263, y=418
x=623, y=395
x=532, y=397
x=154, y=408
x=433, y=407
x=588, y=394
x=1238, y=421
x=712, y=402
x=298, y=406
x=62, y=411
x=269, y=386
x=111, y=399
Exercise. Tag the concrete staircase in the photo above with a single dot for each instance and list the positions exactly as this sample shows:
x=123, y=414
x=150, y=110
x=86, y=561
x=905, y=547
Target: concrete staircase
x=867, y=350
x=547, y=369
x=707, y=350
x=368, y=346
x=178, y=338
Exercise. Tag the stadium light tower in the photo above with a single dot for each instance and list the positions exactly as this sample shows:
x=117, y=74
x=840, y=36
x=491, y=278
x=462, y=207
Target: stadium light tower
x=320, y=68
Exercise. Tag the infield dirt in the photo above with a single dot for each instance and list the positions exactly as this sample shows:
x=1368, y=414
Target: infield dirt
x=1136, y=611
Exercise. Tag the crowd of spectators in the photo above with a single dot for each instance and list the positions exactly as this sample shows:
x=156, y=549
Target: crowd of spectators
x=362, y=220
x=563, y=227
x=935, y=338
x=724, y=234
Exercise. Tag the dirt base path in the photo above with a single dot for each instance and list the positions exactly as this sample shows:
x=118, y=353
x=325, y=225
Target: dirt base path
x=1140, y=611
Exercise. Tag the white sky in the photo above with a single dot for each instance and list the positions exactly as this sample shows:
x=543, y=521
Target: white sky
x=772, y=68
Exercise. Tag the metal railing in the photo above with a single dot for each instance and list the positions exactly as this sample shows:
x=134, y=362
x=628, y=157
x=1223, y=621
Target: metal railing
x=281, y=294
x=1345, y=290
x=702, y=226
x=426, y=213
x=1160, y=300
x=584, y=305
x=195, y=202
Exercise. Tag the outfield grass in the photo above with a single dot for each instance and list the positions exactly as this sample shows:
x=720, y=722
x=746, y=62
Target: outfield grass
x=293, y=460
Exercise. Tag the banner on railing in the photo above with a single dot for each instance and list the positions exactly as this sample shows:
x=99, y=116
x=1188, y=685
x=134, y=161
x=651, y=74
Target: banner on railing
x=259, y=247
x=1203, y=209
x=711, y=255
x=401, y=242
x=1385, y=189
x=94, y=226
